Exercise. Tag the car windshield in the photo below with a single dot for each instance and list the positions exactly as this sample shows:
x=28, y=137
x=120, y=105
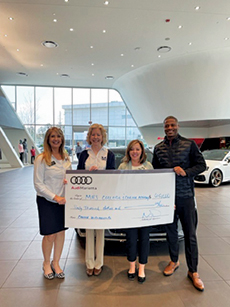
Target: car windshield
x=217, y=155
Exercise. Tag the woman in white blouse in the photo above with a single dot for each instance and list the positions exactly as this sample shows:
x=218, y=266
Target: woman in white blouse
x=49, y=180
x=137, y=239
x=95, y=158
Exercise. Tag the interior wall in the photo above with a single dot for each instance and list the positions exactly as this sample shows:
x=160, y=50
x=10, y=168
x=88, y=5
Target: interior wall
x=154, y=135
x=191, y=87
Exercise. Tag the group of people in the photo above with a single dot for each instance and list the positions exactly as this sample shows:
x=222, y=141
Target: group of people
x=23, y=152
x=175, y=152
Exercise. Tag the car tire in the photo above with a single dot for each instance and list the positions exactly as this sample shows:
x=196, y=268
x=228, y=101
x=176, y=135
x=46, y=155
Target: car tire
x=216, y=178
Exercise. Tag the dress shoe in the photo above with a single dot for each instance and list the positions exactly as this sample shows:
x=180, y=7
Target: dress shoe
x=97, y=272
x=60, y=275
x=171, y=268
x=131, y=276
x=141, y=279
x=48, y=276
x=89, y=272
x=197, y=282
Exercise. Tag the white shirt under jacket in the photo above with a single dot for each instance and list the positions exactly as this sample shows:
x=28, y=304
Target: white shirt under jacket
x=48, y=179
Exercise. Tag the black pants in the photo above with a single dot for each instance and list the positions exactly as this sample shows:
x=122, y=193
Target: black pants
x=137, y=240
x=32, y=159
x=186, y=212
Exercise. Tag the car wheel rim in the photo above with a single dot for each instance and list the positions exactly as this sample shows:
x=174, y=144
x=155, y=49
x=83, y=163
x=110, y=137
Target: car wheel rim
x=216, y=178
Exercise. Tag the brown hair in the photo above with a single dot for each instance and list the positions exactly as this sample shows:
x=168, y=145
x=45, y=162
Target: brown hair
x=103, y=132
x=47, y=147
x=127, y=157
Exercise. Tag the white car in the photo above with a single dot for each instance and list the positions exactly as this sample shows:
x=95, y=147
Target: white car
x=218, y=167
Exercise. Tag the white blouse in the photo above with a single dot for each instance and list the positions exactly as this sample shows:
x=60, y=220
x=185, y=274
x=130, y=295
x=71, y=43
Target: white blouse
x=48, y=179
x=98, y=160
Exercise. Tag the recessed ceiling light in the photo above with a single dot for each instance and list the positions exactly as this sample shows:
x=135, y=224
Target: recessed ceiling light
x=23, y=74
x=164, y=49
x=226, y=38
x=228, y=18
x=71, y=29
x=109, y=77
x=180, y=27
x=17, y=49
x=106, y=2
x=55, y=20
x=5, y=35
x=197, y=8
x=41, y=65
x=64, y=75
x=132, y=65
x=190, y=44
x=93, y=75
x=91, y=47
x=92, y=64
x=104, y=31
x=122, y=54
x=11, y=18
x=159, y=56
x=66, y=0
x=49, y=44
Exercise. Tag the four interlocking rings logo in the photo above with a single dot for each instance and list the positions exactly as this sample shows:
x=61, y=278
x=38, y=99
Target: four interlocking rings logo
x=81, y=180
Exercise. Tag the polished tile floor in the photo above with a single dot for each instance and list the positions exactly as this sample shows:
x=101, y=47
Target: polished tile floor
x=22, y=283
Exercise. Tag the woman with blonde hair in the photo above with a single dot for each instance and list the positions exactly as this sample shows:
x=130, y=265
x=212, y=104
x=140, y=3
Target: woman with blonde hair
x=49, y=180
x=135, y=159
x=97, y=157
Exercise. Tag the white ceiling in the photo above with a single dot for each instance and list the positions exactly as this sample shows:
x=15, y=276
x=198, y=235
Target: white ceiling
x=134, y=28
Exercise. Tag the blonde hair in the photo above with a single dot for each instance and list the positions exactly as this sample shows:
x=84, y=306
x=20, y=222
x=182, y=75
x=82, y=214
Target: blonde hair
x=127, y=157
x=103, y=132
x=47, y=152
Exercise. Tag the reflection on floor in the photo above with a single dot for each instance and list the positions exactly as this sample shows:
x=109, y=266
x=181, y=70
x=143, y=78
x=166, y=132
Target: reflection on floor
x=22, y=283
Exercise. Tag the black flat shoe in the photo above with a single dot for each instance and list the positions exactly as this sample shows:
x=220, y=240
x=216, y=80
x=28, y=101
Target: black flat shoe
x=141, y=279
x=60, y=275
x=48, y=276
x=131, y=276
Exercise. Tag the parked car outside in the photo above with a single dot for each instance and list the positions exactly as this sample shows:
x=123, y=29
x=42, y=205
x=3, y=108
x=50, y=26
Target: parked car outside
x=218, y=167
x=68, y=149
x=157, y=232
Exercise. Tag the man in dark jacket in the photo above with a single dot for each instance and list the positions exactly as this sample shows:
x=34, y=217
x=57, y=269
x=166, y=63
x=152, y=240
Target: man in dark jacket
x=184, y=157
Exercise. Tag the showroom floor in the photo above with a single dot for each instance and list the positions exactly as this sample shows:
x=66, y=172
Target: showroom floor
x=22, y=283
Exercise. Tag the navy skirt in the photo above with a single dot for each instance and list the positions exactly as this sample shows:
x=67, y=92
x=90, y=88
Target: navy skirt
x=51, y=216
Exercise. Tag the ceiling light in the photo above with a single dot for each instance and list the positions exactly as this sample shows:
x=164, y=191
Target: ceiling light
x=55, y=20
x=164, y=49
x=17, y=49
x=132, y=65
x=91, y=47
x=159, y=56
x=92, y=64
x=49, y=44
x=190, y=44
x=106, y=2
x=228, y=18
x=92, y=75
x=64, y=75
x=66, y=0
x=104, y=31
x=197, y=8
x=109, y=77
x=226, y=38
x=122, y=54
x=71, y=29
x=23, y=74
x=11, y=18
x=137, y=48
x=179, y=27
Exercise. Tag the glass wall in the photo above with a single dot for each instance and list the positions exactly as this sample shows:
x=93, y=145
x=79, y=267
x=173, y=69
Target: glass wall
x=73, y=109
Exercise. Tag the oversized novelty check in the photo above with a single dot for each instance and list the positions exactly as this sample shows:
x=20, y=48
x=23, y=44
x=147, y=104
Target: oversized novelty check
x=119, y=199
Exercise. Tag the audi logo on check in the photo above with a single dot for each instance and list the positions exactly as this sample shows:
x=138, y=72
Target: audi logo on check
x=81, y=180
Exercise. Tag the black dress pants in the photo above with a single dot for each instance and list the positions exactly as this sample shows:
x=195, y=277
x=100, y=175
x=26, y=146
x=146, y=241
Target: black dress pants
x=137, y=241
x=186, y=212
